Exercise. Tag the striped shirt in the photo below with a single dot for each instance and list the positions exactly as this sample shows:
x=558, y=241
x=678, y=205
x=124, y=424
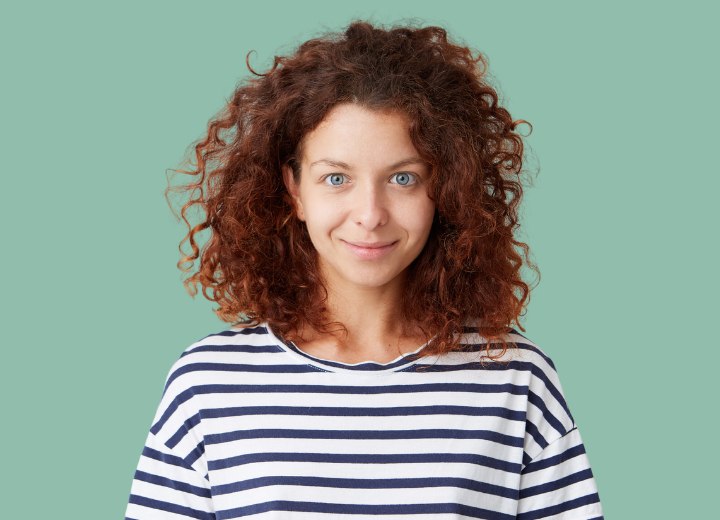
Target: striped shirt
x=251, y=426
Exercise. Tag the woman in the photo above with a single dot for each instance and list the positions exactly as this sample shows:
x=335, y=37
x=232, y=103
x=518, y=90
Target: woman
x=361, y=199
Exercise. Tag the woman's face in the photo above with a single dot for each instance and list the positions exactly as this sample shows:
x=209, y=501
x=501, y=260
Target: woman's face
x=362, y=194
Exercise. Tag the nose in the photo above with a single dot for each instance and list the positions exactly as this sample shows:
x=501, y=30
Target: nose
x=370, y=209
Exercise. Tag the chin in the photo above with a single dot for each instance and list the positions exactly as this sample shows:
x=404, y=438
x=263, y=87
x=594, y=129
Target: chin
x=372, y=281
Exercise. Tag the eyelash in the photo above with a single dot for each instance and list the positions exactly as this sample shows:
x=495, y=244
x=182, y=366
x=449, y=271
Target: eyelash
x=412, y=178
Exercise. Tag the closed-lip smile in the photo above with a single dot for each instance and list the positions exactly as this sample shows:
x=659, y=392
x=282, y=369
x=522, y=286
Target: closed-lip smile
x=370, y=245
x=370, y=250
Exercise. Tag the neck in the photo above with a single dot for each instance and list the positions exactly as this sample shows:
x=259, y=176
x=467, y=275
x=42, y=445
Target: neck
x=374, y=328
x=366, y=312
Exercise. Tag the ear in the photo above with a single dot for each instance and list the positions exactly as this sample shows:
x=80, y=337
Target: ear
x=294, y=190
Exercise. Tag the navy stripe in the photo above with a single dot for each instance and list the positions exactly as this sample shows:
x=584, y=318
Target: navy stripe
x=560, y=508
x=163, y=457
x=172, y=508
x=366, y=483
x=526, y=458
x=170, y=410
x=172, y=484
x=173, y=460
x=195, y=454
x=341, y=411
x=549, y=417
x=365, y=509
x=477, y=388
x=264, y=349
x=535, y=434
x=575, y=451
x=557, y=484
x=236, y=367
x=369, y=458
x=267, y=433
x=188, y=425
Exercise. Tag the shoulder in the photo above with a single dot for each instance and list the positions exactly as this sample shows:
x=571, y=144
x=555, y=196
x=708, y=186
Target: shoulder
x=222, y=351
x=521, y=353
x=212, y=362
x=211, y=359
x=527, y=366
x=246, y=339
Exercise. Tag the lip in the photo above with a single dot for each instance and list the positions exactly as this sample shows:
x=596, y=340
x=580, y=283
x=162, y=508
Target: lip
x=370, y=250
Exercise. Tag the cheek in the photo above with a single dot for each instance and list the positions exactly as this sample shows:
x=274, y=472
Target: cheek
x=419, y=217
x=321, y=216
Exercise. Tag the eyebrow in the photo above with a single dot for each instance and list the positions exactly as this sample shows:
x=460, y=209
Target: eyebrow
x=340, y=164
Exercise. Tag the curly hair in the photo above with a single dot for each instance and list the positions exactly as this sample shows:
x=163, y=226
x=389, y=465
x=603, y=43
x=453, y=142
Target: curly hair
x=259, y=264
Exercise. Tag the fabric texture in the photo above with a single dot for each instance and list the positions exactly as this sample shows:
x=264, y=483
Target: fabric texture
x=251, y=426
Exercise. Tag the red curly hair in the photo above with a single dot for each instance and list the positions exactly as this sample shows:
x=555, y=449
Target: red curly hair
x=259, y=264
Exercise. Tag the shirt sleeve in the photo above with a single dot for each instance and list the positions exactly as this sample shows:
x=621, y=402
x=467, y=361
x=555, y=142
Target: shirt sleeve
x=171, y=481
x=559, y=483
x=556, y=481
x=166, y=487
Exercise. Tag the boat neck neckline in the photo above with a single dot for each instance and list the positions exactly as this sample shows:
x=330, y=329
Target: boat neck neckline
x=401, y=362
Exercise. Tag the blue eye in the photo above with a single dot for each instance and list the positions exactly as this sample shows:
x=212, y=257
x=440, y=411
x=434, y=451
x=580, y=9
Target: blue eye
x=404, y=178
x=336, y=179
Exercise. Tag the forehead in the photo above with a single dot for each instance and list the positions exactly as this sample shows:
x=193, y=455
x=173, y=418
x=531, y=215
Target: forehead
x=355, y=132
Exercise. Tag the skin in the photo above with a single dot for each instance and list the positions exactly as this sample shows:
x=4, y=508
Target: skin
x=362, y=195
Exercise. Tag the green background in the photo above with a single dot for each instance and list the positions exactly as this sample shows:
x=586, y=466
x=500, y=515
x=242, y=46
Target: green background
x=99, y=99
